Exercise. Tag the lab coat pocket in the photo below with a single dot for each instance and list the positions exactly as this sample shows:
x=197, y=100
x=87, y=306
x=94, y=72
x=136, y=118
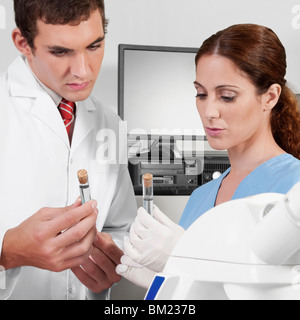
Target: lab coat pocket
x=103, y=182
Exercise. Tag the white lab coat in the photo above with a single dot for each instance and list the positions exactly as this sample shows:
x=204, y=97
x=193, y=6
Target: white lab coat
x=39, y=169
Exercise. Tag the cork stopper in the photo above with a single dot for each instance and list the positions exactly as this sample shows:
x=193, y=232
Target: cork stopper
x=147, y=180
x=82, y=176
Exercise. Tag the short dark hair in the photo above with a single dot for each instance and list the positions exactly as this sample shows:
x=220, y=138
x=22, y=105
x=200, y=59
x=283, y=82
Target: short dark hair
x=28, y=12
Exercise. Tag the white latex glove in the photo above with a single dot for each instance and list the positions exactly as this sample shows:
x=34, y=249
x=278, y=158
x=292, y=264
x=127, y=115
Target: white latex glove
x=152, y=239
x=138, y=275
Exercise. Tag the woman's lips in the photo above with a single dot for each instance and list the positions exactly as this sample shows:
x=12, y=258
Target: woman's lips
x=214, y=131
x=78, y=86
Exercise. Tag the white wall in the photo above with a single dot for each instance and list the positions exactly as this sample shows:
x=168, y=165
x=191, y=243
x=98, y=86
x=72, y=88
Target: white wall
x=188, y=23
x=175, y=23
x=184, y=23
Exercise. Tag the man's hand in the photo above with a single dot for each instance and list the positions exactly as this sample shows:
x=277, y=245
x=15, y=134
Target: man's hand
x=98, y=272
x=54, y=239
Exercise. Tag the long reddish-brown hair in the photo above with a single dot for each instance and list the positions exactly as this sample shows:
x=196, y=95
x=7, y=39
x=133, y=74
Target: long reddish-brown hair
x=258, y=53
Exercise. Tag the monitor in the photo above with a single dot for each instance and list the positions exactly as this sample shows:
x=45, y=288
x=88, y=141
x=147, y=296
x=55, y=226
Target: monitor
x=165, y=133
x=156, y=91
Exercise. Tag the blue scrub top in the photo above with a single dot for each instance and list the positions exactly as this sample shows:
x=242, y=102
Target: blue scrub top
x=277, y=175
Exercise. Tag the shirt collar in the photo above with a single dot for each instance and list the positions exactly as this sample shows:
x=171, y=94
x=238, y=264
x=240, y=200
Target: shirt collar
x=54, y=96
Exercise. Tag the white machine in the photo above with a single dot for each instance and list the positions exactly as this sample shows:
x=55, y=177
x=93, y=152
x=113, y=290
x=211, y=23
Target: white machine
x=246, y=249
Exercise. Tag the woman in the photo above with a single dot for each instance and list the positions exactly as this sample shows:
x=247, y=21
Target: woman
x=246, y=108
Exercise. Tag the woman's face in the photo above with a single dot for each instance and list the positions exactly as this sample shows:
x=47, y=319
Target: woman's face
x=231, y=111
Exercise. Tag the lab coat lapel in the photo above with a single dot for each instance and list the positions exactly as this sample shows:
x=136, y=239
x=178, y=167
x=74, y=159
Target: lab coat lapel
x=46, y=111
x=23, y=84
x=21, y=81
x=84, y=123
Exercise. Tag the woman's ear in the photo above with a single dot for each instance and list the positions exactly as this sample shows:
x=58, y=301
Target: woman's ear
x=271, y=97
x=21, y=43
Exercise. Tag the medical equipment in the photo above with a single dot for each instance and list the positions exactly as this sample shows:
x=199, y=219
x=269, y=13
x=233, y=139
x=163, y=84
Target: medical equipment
x=148, y=193
x=84, y=186
x=178, y=177
x=243, y=249
x=277, y=237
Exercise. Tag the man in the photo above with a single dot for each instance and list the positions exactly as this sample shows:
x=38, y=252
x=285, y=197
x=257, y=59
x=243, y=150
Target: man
x=49, y=129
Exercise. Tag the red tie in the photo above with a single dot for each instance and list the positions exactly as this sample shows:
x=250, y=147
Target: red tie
x=67, y=111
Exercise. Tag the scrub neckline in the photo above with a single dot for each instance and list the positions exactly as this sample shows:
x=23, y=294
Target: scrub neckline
x=226, y=173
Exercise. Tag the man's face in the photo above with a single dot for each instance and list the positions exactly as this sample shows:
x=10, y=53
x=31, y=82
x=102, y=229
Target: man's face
x=67, y=59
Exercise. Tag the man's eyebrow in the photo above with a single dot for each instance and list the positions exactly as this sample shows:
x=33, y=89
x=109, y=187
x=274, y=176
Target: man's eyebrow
x=59, y=48
x=100, y=39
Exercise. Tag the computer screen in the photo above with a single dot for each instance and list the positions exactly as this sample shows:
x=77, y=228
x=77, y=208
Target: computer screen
x=156, y=91
x=165, y=134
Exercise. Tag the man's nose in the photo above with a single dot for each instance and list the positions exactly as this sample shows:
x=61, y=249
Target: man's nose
x=80, y=66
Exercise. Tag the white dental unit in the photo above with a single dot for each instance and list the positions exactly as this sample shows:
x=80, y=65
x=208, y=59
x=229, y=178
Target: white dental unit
x=246, y=249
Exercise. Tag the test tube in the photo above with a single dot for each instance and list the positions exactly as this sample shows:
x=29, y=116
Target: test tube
x=148, y=193
x=84, y=186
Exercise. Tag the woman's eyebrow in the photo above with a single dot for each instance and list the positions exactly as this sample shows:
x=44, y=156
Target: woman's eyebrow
x=218, y=87
x=198, y=84
x=227, y=86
